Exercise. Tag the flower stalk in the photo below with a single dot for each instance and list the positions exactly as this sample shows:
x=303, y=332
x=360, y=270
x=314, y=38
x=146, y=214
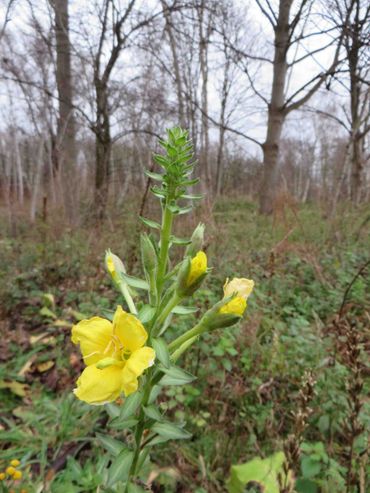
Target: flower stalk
x=118, y=353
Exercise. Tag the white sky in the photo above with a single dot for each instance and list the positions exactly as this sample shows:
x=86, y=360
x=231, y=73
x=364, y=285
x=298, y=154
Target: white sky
x=250, y=116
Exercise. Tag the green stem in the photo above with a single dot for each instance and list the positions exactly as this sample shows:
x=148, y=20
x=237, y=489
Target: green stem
x=139, y=431
x=165, y=242
x=194, y=332
x=173, y=301
x=126, y=294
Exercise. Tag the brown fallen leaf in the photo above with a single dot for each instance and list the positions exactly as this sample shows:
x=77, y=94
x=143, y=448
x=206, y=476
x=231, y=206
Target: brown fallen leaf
x=27, y=366
x=45, y=366
x=17, y=388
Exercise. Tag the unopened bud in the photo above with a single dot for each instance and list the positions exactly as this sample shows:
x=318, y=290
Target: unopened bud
x=148, y=254
x=191, y=274
x=197, y=239
x=114, y=266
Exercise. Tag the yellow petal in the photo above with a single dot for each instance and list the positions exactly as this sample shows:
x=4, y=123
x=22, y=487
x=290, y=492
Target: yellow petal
x=95, y=338
x=135, y=366
x=129, y=382
x=243, y=287
x=99, y=386
x=198, y=266
x=129, y=330
x=235, y=306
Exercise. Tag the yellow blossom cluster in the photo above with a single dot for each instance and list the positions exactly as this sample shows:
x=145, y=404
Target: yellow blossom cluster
x=12, y=473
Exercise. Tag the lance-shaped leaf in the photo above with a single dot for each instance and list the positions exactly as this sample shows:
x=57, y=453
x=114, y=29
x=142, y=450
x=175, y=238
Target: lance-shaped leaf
x=161, y=351
x=169, y=431
x=110, y=444
x=176, y=376
x=120, y=468
x=150, y=222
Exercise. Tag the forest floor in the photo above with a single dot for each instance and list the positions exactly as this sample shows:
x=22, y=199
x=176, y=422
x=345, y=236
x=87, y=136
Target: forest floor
x=310, y=307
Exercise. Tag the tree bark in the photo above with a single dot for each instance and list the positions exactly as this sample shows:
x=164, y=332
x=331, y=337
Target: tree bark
x=353, y=51
x=276, y=111
x=103, y=148
x=66, y=132
x=176, y=64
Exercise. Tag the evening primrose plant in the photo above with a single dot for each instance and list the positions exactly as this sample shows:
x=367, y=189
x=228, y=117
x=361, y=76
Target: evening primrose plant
x=129, y=358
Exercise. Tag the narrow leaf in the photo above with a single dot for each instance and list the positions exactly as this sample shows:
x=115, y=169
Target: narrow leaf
x=161, y=351
x=150, y=223
x=146, y=313
x=153, y=413
x=135, y=282
x=120, y=467
x=180, y=241
x=130, y=405
x=170, y=431
x=110, y=444
x=184, y=310
x=176, y=376
x=154, y=176
x=117, y=424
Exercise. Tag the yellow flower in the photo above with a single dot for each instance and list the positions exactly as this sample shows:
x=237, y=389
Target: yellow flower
x=17, y=475
x=235, y=306
x=198, y=266
x=241, y=288
x=14, y=462
x=114, y=354
x=10, y=470
x=2, y=476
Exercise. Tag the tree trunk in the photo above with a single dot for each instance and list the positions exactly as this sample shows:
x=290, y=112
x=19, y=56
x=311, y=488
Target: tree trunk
x=176, y=64
x=276, y=113
x=66, y=138
x=353, y=51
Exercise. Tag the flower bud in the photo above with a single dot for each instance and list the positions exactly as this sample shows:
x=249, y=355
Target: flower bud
x=191, y=274
x=215, y=318
x=197, y=239
x=148, y=254
x=114, y=266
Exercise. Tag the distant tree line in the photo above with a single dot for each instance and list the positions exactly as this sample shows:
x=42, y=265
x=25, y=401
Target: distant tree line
x=88, y=88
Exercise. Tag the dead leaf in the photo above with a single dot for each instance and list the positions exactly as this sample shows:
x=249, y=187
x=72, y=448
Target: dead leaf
x=27, y=366
x=45, y=366
x=17, y=388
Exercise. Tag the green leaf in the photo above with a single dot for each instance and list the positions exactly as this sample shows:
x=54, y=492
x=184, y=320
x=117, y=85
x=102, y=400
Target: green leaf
x=161, y=351
x=304, y=485
x=262, y=472
x=310, y=467
x=184, y=310
x=135, y=282
x=184, y=210
x=154, y=176
x=113, y=410
x=146, y=313
x=150, y=223
x=130, y=405
x=154, y=393
x=120, y=467
x=123, y=425
x=169, y=431
x=180, y=241
x=192, y=197
x=176, y=376
x=152, y=412
x=158, y=192
x=110, y=444
x=46, y=312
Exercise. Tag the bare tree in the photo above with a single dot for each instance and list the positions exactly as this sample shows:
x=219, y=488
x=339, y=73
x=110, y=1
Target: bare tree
x=288, y=31
x=66, y=157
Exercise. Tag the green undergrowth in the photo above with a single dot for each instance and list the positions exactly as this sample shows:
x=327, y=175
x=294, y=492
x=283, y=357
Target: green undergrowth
x=241, y=406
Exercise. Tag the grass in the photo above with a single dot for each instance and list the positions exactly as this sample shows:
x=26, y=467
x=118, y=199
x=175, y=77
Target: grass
x=248, y=378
